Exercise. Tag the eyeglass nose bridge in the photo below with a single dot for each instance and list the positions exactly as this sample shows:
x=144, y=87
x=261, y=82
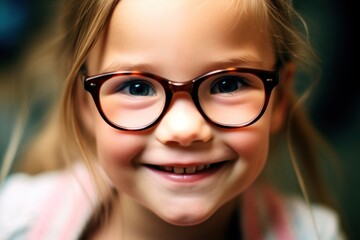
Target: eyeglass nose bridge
x=181, y=87
x=189, y=87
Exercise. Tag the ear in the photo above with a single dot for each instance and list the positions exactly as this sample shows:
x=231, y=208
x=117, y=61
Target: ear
x=282, y=97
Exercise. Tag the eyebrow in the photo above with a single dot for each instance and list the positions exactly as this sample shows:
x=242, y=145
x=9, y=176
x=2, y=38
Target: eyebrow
x=222, y=63
x=117, y=66
x=238, y=61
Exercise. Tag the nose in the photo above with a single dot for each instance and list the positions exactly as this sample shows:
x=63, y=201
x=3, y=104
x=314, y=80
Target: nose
x=183, y=124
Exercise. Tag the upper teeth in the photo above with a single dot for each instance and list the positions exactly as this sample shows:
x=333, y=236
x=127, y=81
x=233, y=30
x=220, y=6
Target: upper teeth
x=180, y=170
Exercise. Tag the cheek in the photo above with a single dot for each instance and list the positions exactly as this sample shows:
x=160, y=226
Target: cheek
x=116, y=150
x=113, y=147
x=251, y=144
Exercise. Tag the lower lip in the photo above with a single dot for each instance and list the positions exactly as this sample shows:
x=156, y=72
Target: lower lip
x=188, y=178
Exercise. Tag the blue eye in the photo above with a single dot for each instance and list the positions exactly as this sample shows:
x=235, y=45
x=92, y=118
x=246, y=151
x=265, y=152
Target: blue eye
x=227, y=84
x=137, y=87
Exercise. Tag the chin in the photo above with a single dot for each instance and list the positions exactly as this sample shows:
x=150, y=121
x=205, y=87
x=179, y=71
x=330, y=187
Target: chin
x=185, y=216
x=186, y=220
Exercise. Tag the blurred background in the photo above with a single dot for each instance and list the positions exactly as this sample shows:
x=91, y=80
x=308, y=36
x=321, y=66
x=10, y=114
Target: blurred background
x=335, y=110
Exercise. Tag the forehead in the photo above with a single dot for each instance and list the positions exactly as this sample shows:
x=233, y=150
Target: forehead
x=187, y=16
x=183, y=29
x=191, y=8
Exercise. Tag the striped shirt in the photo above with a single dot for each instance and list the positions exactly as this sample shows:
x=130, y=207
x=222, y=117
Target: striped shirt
x=57, y=206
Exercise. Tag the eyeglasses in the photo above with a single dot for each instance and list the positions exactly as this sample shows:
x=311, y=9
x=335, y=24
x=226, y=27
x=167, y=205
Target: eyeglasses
x=227, y=98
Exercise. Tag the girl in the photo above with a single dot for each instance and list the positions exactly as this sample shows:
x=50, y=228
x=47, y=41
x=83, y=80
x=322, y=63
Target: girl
x=166, y=117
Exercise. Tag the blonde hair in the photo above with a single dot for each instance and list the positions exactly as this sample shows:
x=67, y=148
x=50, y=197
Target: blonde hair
x=84, y=21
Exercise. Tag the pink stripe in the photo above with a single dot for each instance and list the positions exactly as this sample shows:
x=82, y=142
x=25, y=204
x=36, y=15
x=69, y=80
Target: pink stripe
x=250, y=219
x=277, y=214
x=79, y=207
x=42, y=225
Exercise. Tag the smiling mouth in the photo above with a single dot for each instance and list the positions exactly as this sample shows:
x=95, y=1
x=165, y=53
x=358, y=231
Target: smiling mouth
x=187, y=170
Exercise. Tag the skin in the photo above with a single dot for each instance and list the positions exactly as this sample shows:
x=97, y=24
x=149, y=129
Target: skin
x=179, y=40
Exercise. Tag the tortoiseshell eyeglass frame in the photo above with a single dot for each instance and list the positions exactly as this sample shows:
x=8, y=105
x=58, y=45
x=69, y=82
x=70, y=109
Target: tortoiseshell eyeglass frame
x=92, y=84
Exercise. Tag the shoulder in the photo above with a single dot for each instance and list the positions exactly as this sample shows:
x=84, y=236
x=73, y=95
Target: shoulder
x=33, y=205
x=312, y=221
x=21, y=198
x=272, y=214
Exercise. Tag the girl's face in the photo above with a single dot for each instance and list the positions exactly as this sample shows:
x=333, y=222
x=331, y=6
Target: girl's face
x=180, y=40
